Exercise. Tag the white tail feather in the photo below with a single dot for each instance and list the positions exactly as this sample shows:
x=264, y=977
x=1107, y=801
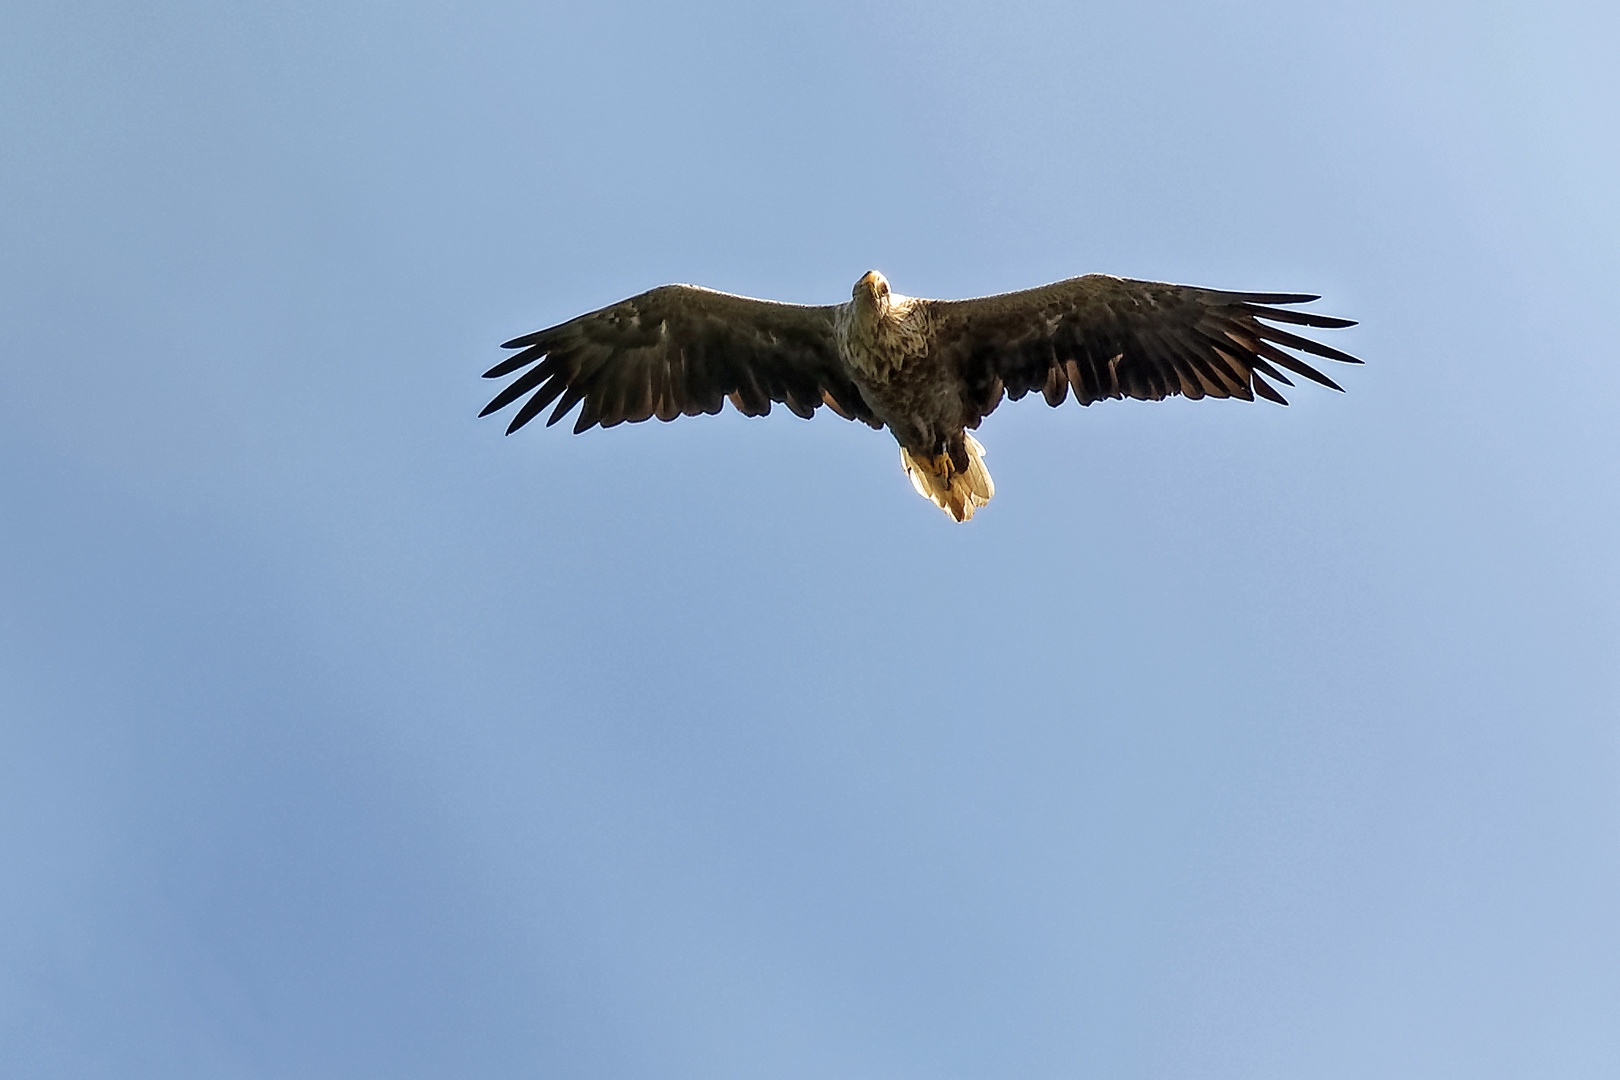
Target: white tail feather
x=956, y=493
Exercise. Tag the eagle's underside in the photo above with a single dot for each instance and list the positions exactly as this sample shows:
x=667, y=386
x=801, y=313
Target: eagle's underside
x=928, y=370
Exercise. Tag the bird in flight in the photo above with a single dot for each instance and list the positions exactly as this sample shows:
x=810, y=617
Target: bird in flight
x=928, y=370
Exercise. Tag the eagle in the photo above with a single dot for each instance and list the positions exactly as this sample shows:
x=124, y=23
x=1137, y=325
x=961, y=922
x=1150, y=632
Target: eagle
x=928, y=370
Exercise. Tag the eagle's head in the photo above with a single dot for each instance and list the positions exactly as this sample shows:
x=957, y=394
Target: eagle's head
x=871, y=291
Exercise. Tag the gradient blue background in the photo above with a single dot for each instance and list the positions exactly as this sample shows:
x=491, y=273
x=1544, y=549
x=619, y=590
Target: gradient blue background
x=341, y=736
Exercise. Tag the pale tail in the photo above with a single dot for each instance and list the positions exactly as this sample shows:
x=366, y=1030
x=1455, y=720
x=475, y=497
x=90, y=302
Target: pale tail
x=956, y=493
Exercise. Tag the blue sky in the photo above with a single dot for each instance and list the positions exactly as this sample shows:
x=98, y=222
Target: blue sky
x=341, y=736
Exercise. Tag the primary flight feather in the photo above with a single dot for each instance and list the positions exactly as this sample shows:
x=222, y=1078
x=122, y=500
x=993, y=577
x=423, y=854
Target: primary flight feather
x=928, y=370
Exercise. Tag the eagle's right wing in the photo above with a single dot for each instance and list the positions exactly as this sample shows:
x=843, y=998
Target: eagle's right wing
x=1106, y=337
x=680, y=349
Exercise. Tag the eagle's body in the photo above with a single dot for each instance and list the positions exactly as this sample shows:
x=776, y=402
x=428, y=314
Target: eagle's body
x=887, y=342
x=928, y=370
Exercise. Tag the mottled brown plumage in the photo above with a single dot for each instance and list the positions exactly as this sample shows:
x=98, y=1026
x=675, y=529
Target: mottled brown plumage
x=928, y=370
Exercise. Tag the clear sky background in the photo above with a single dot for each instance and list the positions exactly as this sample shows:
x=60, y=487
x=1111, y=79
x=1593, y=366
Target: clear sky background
x=341, y=736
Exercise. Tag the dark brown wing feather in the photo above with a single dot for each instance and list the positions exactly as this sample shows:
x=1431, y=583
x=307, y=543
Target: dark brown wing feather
x=679, y=350
x=1101, y=337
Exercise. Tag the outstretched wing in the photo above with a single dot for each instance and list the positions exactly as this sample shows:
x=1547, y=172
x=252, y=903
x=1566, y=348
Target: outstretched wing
x=1106, y=337
x=676, y=350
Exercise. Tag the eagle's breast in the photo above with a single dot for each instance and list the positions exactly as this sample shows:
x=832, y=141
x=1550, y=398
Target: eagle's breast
x=888, y=347
x=877, y=340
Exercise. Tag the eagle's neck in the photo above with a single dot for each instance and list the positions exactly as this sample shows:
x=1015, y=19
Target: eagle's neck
x=878, y=337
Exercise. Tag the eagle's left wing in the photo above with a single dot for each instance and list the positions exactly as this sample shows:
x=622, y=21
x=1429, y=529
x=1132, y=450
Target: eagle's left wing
x=680, y=350
x=1107, y=337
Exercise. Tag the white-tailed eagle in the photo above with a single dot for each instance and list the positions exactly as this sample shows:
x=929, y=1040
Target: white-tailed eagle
x=928, y=370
